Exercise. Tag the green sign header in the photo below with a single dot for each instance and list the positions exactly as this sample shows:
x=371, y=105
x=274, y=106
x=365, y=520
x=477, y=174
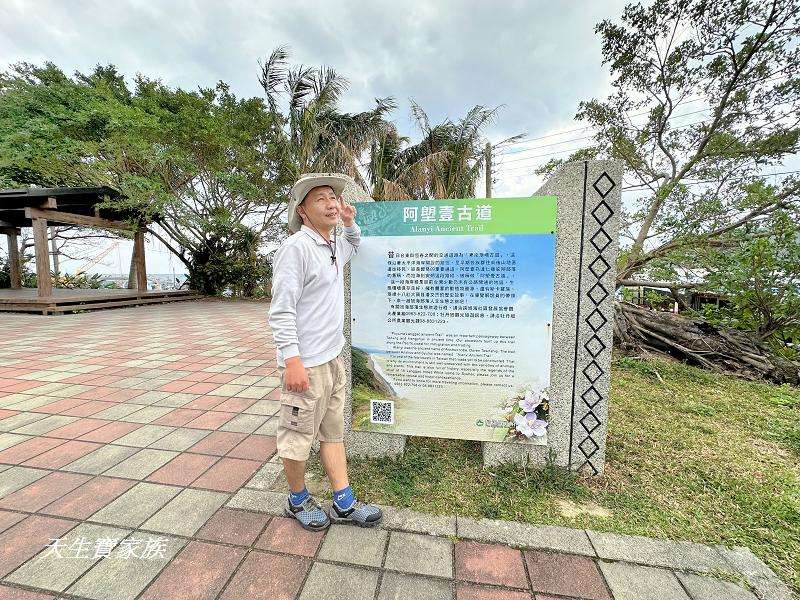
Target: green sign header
x=471, y=216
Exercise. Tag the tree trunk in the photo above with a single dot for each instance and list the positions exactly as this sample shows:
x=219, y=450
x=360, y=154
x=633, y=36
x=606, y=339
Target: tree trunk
x=700, y=343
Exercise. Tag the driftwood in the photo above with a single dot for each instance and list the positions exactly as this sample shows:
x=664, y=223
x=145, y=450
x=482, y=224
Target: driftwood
x=700, y=343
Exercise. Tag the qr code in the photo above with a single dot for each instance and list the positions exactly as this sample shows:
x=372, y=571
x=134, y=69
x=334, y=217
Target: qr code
x=381, y=411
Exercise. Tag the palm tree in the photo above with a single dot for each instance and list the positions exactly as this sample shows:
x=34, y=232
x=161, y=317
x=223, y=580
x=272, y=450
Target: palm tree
x=446, y=163
x=314, y=135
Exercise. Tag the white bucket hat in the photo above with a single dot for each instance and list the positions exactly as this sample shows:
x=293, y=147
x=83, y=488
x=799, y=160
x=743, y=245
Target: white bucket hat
x=305, y=184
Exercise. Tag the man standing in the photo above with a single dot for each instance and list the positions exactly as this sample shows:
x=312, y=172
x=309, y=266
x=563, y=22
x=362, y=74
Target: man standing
x=307, y=320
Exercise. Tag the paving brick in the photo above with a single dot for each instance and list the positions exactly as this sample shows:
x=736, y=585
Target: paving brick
x=15, y=478
x=565, y=574
x=659, y=553
x=255, y=447
x=396, y=586
x=205, y=402
x=227, y=474
x=235, y=405
x=332, y=582
x=11, y=439
x=235, y=527
x=707, y=588
x=178, y=417
x=466, y=591
x=49, y=571
x=136, y=505
x=286, y=574
x=265, y=477
x=87, y=408
x=218, y=443
x=100, y=460
x=122, y=576
x=211, y=419
x=43, y=491
x=183, y=469
x=42, y=426
x=61, y=455
x=262, y=501
x=758, y=575
x=267, y=408
x=144, y=435
x=90, y=497
x=420, y=554
x=148, y=414
x=525, y=535
x=180, y=439
x=354, y=545
x=12, y=593
x=417, y=522
x=77, y=428
x=634, y=582
x=141, y=464
x=109, y=433
x=244, y=423
x=27, y=538
x=57, y=406
x=20, y=419
x=490, y=564
x=186, y=513
x=26, y=450
x=177, y=400
x=285, y=535
x=118, y=411
x=201, y=388
x=268, y=428
x=9, y=519
x=198, y=572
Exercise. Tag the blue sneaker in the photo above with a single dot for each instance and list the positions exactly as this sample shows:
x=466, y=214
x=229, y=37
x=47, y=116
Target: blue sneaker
x=309, y=514
x=363, y=515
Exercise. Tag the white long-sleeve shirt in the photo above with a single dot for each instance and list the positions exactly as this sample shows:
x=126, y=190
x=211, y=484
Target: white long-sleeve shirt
x=307, y=309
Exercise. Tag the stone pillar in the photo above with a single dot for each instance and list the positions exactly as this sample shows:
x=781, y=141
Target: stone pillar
x=588, y=196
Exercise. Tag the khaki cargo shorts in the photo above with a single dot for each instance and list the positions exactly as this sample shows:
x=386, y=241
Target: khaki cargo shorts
x=316, y=413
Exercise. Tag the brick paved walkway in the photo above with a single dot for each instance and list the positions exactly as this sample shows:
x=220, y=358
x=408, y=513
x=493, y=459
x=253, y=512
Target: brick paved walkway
x=142, y=441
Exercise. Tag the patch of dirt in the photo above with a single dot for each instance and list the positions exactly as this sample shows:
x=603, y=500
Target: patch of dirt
x=571, y=509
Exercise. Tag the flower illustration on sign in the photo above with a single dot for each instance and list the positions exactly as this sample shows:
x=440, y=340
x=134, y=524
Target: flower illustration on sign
x=527, y=413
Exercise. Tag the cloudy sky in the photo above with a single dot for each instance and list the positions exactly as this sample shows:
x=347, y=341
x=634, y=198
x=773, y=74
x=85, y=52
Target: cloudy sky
x=537, y=59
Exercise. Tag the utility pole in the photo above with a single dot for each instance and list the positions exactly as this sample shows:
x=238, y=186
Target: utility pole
x=488, y=169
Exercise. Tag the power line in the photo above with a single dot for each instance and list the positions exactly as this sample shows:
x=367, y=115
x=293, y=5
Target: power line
x=585, y=137
x=689, y=182
x=770, y=77
x=500, y=166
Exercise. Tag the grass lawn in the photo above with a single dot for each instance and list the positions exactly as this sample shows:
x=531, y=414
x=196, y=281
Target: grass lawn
x=691, y=455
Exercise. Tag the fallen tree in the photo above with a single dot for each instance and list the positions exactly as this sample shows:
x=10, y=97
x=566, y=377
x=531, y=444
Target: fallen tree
x=717, y=349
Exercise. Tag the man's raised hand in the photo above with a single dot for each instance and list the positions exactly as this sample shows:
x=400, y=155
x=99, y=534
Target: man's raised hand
x=346, y=211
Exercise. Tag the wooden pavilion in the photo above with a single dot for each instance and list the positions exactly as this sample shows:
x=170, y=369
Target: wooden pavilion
x=40, y=207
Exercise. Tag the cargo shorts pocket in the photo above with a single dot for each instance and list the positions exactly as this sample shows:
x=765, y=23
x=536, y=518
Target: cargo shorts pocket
x=297, y=413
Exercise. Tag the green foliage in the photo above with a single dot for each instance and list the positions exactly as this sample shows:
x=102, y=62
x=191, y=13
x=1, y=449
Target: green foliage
x=311, y=132
x=201, y=165
x=691, y=455
x=445, y=163
x=362, y=375
x=28, y=277
x=732, y=66
x=78, y=281
x=758, y=272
